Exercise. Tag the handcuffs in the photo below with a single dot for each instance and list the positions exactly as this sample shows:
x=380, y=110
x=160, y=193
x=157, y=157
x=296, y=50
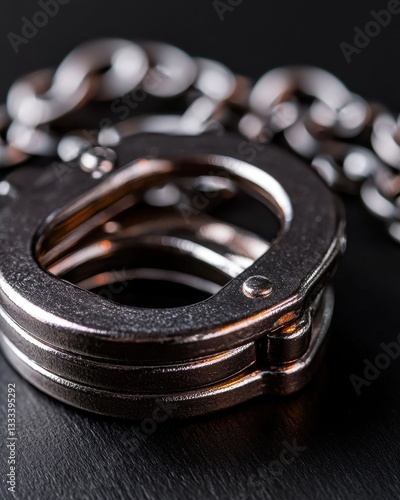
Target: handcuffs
x=119, y=206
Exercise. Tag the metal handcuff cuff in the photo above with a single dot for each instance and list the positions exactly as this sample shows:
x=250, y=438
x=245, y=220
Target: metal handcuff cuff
x=119, y=206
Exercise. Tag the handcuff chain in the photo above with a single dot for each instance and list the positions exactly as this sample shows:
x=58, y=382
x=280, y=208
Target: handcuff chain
x=352, y=144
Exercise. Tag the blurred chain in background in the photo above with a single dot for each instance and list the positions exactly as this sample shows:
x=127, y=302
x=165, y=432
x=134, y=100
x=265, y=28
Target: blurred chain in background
x=354, y=145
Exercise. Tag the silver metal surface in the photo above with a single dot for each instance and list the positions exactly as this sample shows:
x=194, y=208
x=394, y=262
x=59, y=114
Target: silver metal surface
x=119, y=210
x=318, y=116
x=171, y=72
x=257, y=286
x=31, y=100
x=125, y=63
x=252, y=336
x=98, y=160
x=251, y=382
x=42, y=97
x=385, y=139
x=9, y=155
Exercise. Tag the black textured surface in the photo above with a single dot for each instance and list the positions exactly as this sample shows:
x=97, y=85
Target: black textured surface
x=349, y=443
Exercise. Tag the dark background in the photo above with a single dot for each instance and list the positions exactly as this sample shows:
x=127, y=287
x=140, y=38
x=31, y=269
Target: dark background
x=351, y=443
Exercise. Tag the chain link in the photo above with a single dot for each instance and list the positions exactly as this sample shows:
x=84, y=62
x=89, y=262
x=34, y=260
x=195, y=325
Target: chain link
x=352, y=144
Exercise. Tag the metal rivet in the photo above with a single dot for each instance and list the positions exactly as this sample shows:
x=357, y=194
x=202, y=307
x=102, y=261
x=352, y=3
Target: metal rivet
x=98, y=160
x=257, y=286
